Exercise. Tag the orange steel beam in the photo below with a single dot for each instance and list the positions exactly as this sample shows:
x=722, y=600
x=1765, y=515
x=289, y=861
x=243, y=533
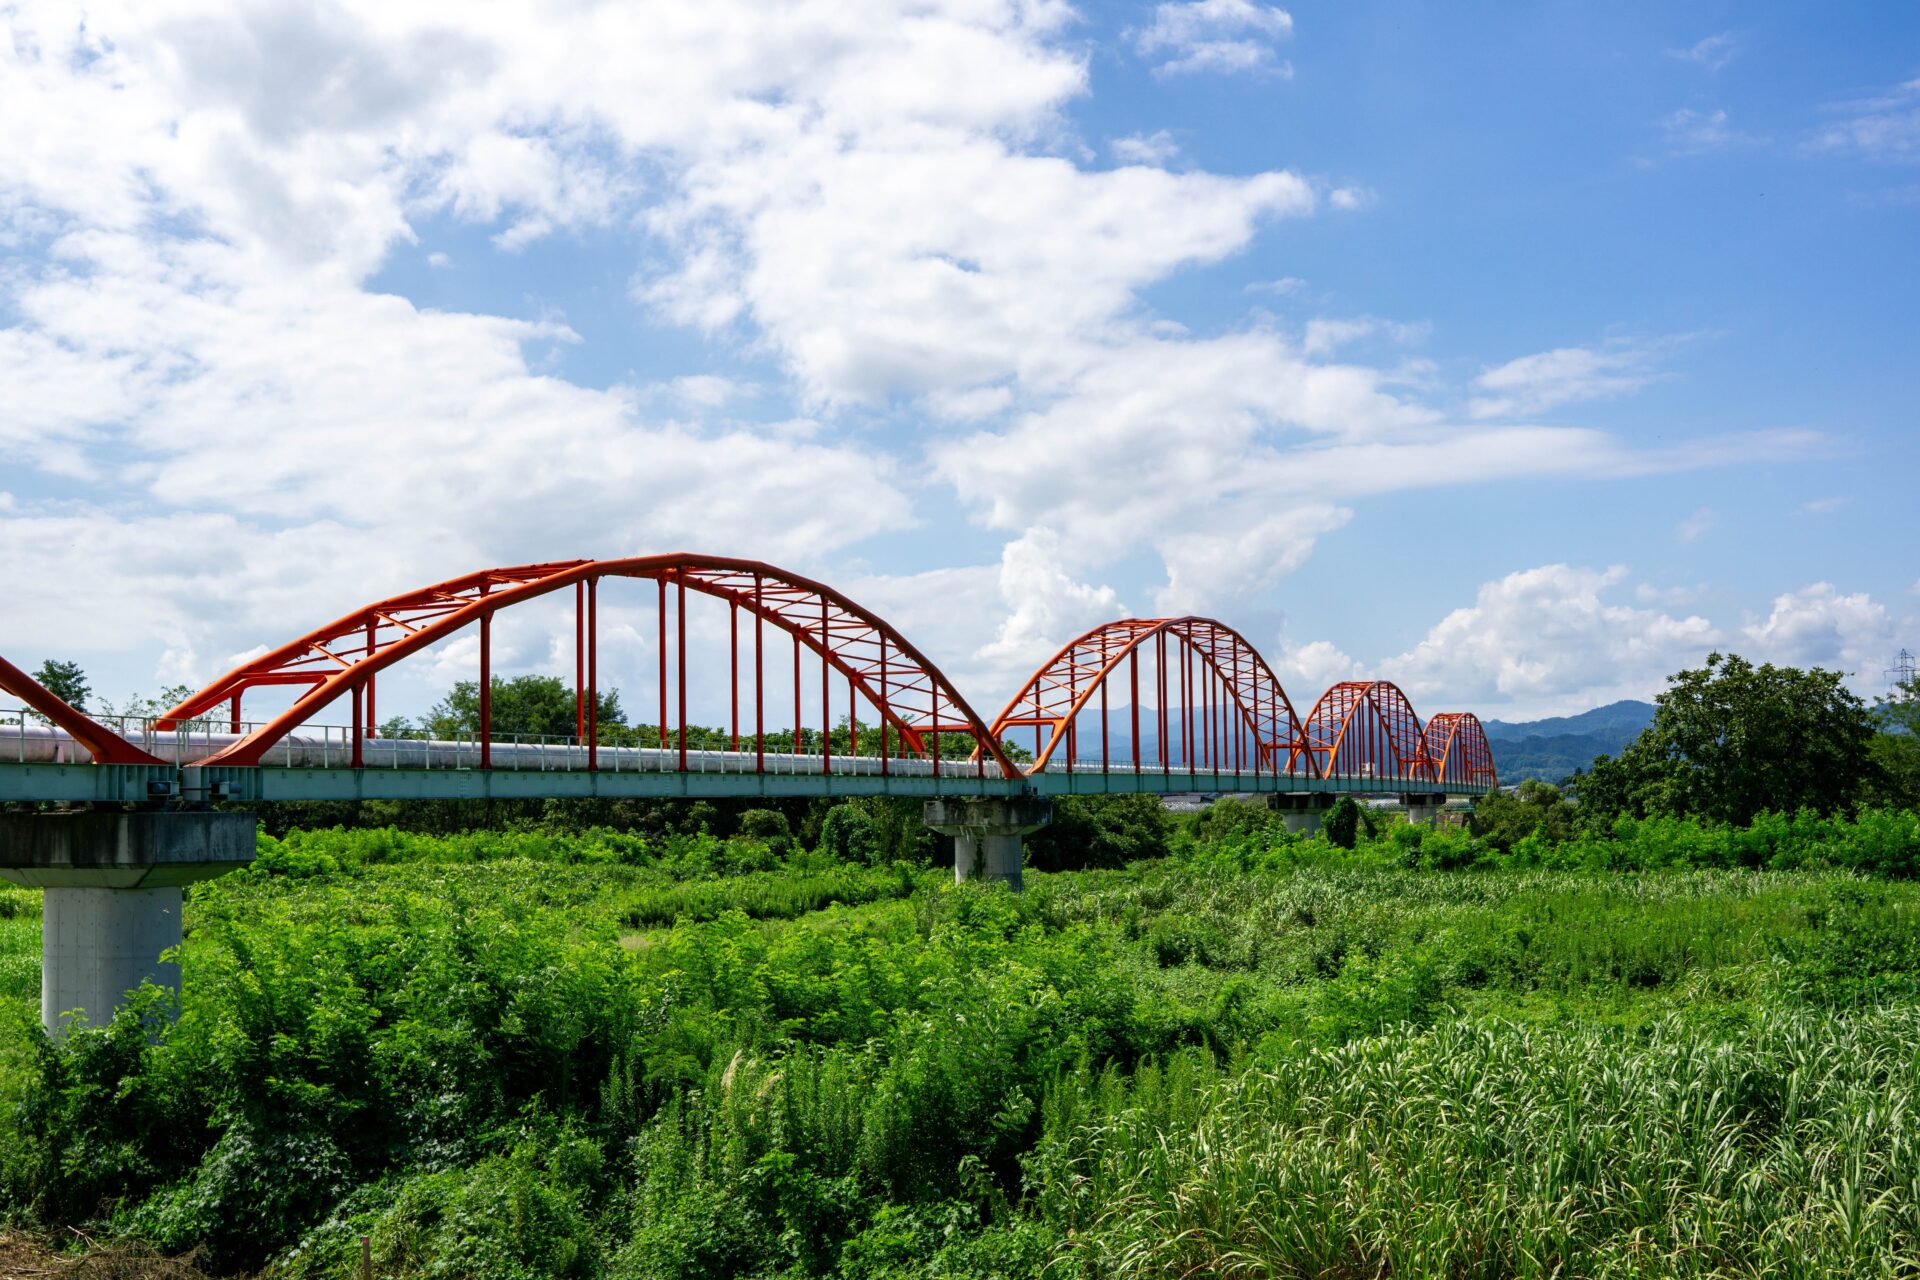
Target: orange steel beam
x=102, y=743
x=918, y=700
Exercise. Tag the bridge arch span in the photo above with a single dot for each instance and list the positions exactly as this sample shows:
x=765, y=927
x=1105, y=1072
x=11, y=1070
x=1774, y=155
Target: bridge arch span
x=1458, y=747
x=1366, y=729
x=343, y=658
x=1233, y=714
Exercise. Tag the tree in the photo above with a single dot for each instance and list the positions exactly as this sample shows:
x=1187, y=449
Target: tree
x=525, y=705
x=1099, y=831
x=1343, y=822
x=1896, y=749
x=65, y=681
x=1731, y=740
x=1504, y=819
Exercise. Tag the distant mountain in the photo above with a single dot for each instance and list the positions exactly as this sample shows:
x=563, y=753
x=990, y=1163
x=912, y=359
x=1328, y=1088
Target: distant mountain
x=1553, y=748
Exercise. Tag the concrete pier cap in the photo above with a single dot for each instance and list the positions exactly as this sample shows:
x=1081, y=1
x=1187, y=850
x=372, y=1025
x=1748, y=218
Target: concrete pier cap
x=112, y=902
x=1423, y=806
x=1300, y=811
x=986, y=833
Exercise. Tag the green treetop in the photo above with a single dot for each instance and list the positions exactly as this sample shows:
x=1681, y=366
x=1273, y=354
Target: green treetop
x=1731, y=740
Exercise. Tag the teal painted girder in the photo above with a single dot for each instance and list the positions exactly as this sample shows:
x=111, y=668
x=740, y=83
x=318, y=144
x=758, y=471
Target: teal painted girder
x=137, y=784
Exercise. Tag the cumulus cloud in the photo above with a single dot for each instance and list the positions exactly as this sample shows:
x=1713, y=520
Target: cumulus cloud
x=1307, y=670
x=1561, y=638
x=1046, y=605
x=1818, y=626
x=1548, y=640
x=1215, y=36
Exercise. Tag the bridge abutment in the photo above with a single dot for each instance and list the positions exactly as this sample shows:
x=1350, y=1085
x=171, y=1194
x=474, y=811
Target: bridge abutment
x=1300, y=811
x=1423, y=806
x=112, y=898
x=987, y=833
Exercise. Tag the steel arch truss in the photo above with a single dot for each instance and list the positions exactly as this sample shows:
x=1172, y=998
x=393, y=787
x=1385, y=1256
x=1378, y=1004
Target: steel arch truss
x=1367, y=729
x=102, y=743
x=911, y=695
x=1233, y=712
x=1458, y=747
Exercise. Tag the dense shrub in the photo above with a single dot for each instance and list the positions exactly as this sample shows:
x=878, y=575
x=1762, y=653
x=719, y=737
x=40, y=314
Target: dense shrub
x=1100, y=831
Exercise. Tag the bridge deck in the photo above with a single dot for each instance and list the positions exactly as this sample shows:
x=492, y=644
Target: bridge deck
x=39, y=763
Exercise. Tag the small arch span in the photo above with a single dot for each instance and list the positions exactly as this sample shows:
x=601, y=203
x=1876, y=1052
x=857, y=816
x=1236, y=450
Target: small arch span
x=1458, y=747
x=1209, y=701
x=1367, y=729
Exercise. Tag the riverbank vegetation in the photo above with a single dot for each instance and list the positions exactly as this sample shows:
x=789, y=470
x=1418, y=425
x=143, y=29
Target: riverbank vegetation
x=524, y=1055
x=700, y=1041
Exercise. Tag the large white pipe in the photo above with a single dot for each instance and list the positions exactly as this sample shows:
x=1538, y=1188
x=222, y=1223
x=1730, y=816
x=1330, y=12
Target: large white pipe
x=29, y=743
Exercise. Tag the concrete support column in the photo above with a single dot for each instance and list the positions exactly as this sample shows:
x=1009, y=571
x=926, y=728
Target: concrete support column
x=1424, y=807
x=98, y=944
x=1301, y=811
x=987, y=833
x=113, y=896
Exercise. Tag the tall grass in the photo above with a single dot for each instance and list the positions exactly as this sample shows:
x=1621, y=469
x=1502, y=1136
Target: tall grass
x=1483, y=1148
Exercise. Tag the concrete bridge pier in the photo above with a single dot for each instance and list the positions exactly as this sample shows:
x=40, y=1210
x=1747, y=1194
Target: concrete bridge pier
x=1424, y=806
x=112, y=885
x=1301, y=810
x=987, y=833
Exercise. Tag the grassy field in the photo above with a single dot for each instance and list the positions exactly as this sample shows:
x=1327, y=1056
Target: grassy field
x=598, y=1061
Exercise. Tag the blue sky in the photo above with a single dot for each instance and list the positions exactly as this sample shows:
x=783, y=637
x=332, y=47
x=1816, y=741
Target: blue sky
x=1522, y=354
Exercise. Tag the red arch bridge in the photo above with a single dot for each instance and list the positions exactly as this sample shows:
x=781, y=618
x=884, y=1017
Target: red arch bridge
x=822, y=696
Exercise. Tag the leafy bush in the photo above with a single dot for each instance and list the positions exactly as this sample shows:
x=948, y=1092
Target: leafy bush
x=848, y=834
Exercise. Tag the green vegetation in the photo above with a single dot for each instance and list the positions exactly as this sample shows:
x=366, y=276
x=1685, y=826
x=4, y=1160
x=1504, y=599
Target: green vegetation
x=1732, y=740
x=676, y=1055
x=1650, y=1028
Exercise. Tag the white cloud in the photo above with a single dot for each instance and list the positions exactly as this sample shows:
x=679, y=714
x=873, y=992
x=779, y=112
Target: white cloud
x=1691, y=529
x=1825, y=506
x=1221, y=563
x=879, y=211
x=1546, y=641
x=1557, y=639
x=1046, y=604
x=1324, y=335
x=1307, y=670
x=1285, y=286
x=1349, y=199
x=1713, y=52
x=1817, y=626
x=1536, y=383
x=1647, y=593
x=439, y=261
x=1691, y=133
x=1222, y=36
x=1883, y=127
x=1154, y=148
